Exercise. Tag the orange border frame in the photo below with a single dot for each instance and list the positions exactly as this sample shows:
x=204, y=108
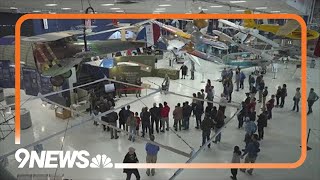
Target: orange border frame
x=181, y=16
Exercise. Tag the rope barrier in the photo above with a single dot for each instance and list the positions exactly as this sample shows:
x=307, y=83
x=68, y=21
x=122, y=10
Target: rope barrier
x=192, y=149
x=204, y=146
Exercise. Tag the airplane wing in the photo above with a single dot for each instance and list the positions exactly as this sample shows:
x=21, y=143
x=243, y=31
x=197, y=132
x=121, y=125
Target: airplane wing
x=51, y=36
x=172, y=29
x=288, y=28
x=136, y=25
x=110, y=46
x=64, y=66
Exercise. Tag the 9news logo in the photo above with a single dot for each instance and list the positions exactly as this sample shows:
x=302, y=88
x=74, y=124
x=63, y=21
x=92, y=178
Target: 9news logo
x=55, y=159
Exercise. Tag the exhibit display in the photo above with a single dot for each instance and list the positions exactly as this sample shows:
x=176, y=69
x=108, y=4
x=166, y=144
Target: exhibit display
x=160, y=89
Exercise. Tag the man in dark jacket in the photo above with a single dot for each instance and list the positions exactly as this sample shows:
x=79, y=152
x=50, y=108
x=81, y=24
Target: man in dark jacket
x=251, y=151
x=198, y=113
x=186, y=111
x=113, y=117
x=145, y=119
x=261, y=88
x=219, y=122
x=283, y=95
x=127, y=114
x=184, y=70
x=122, y=118
x=131, y=157
x=206, y=127
x=262, y=123
x=155, y=117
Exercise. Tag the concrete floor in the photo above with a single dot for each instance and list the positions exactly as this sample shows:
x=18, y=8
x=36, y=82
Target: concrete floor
x=281, y=143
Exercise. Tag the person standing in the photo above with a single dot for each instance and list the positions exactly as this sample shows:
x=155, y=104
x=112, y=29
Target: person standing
x=230, y=91
x=252, y=81
x=264, y=97
x=155, y=118
x=235, y=159
x=119, y=87
x=138, y=122
x=177, y=116
x=258, y=80
x=165, y=116
x=237, y=80
x=312, y=98
x=283, y=95
x=132, y=123
x=138, y=90
x=218, y=124
x=198, y=114
x=152, y=152
x=206, y=127
x=262, y=123
x=260, y=89
x=251, y=151
x=223, y=103
x=242, y=78
x=242, y=114
x=210, y=97
x=184, y=70
x=186, y=111
x=194, y=103
x=208, y=85
x=122, y=118
x=270, y=105
x=145, y=119
x=224, y=74
x=278, y=95
x=192, y=70
x=296, y=100
x=113, y=117
x=250, y=129
x=131, y=157
x=128, y=112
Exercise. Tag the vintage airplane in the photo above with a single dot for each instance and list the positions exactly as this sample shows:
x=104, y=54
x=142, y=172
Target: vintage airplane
x=55, y=54
x=195, y=37
x=244, y=32
x=289, y=30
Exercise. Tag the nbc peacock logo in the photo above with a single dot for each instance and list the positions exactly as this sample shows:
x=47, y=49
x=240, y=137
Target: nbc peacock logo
x=101, y=161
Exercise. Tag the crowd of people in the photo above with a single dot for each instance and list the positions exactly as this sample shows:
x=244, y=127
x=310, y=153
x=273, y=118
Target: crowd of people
x=207, y=117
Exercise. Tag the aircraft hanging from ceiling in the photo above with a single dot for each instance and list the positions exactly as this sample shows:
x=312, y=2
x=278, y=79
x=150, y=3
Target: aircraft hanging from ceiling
x=55, y=54
x=289, y=30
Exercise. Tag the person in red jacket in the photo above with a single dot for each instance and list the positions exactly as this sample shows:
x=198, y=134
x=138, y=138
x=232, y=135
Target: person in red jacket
x=165, y=116
x=270, y=105
x=252, y=105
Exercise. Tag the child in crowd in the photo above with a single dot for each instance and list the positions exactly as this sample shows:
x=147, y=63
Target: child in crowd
x=235, y=159
x=138, y=122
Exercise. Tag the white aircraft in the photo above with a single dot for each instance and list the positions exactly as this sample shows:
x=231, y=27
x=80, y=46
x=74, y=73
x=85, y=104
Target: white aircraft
x=244, y=32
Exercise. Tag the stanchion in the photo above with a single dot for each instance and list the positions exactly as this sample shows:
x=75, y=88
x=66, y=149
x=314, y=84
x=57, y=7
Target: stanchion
x=308, y=148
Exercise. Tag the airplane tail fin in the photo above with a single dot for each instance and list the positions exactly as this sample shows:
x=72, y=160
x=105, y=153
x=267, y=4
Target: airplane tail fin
x=249, y=22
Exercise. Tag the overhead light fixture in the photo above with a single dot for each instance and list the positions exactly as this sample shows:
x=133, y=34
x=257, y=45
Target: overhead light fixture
x=275, y=11
x=188, y=13
x=50, y=5
x=160, y=9
x=234, y=2
x=52, y=13
x=107, y=4
x=204, y=9
x=216, y=6
x=120, y=11
x=13, y=8
x=261, y=8
x=36, y=11
x=164, y=5
x=66, y=8
x=240, y=10
x=116, y=8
